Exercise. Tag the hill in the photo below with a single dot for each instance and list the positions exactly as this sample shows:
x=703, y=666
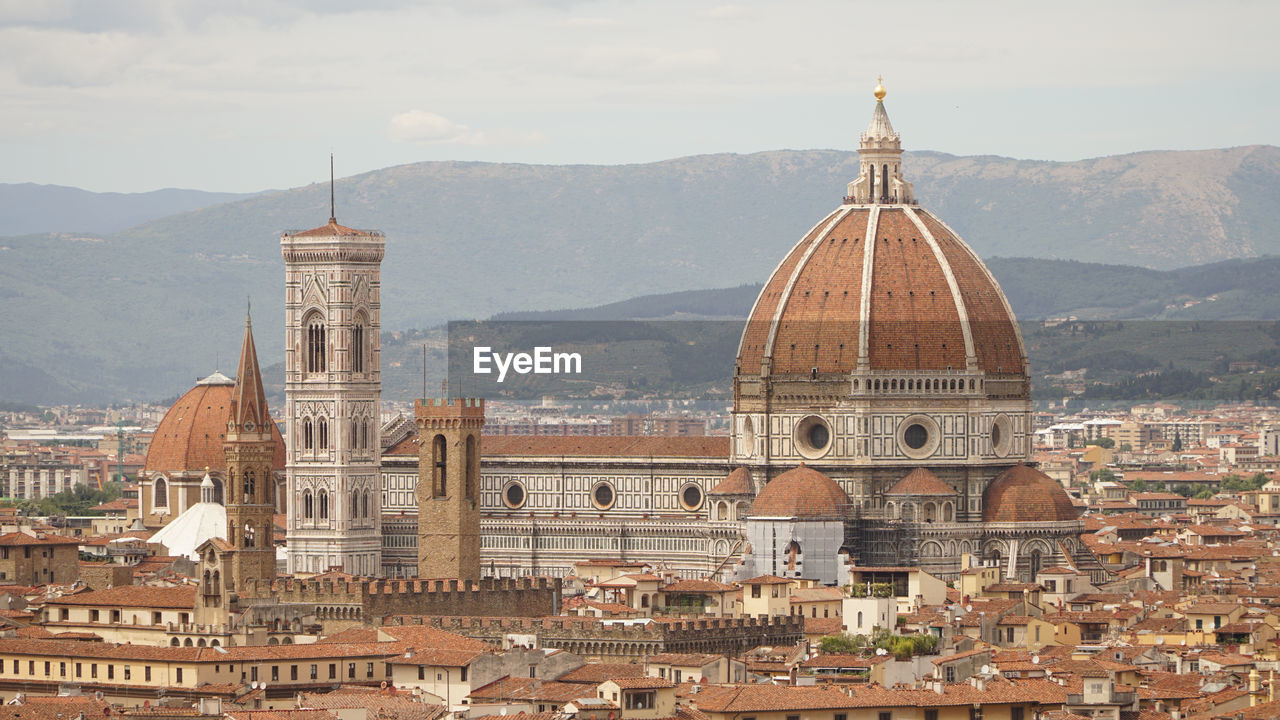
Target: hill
x=27, y=208
x=142, y=312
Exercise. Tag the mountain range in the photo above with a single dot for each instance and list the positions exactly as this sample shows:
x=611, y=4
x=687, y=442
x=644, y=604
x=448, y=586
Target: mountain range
x=90, y=314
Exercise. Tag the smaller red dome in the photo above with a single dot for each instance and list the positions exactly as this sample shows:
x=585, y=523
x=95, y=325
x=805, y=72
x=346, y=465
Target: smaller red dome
x=1024, y=494
x=737, y=483
x=801, y=493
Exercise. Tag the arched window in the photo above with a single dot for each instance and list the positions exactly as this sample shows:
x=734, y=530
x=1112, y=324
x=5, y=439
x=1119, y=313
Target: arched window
x=859, y=619
x=314, y=352
x=323, y=502
x=218, y=497
x=308, y=435
x=160, y=494
x=357, y=346
x=354, y=436
x=365, y=502
x=217, y=580
x=308, y=508
x=473, y=467
x=250, y=486
x=355, y=505
x=250, y=535
x=438, y=453
x=322, y=434
x=364, y=434
x=1035, y=563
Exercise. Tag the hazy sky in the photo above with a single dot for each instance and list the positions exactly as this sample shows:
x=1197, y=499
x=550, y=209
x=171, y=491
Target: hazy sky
x=241, y=95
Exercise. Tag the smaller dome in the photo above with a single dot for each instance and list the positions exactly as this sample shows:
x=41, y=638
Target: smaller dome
x=801, y=493
x=738, y=482
x=207, y=482
x=921, y=482
x=1024, y=494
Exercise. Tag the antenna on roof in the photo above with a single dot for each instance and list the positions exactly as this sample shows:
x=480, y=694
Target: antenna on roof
x=333, y=215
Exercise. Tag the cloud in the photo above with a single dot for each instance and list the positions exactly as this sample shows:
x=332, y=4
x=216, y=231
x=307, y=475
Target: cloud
x=587, y=22
x=722, y=12
x=420, y=126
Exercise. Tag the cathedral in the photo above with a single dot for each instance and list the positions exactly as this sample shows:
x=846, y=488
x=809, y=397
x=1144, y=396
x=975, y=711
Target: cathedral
x=881, y=417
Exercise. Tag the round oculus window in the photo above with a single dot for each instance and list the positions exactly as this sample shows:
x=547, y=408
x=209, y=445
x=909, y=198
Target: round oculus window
x=915, y=436
x=1001, y=436
x=691, y=497
x=602, y=496
x=813, y=437
x=514, y=495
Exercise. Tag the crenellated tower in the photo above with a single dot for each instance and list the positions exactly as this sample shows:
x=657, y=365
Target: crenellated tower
x=249, y=448
x=449, y=487
x=332, y=390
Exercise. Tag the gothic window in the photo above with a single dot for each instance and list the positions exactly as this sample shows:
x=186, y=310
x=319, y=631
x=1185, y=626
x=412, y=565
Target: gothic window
x=438, y=470
x=160, y=498
x=250, y=535
x=364, y=501
x=473, y=466
x=357, y=346
x=308, y=508
x=323, y=502
x=1035, y=563
x=364, y=434
x=250, y=486
x=355, y=504
x=322, y=434
x=308, y=434
x=355, y=434
x=314, y=352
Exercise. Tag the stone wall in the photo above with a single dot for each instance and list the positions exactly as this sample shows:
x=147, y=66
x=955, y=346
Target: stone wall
x=360, y=599
x=596, y=638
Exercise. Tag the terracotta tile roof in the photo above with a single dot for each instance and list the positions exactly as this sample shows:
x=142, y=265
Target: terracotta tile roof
x=134, y=596
x=1024, y=494
x=22, y=539
x=279, y=715
x=54, y=708
x=737, y=482
x=524, y=688
x=381, y=703
x=596, y=673
x=639, y=683
x=823, y=626
x=697, y=586
x=801, y=492
x=684, y=659
x=921, y=482
x=190, y=436
x=767, y=580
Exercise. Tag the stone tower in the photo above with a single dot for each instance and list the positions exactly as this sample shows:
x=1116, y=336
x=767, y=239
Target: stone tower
x=332, y=390
x=449, y=487
x=250, y=491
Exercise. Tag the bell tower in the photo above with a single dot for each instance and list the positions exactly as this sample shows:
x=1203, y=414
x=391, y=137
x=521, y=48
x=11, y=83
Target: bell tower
x=250, y=490
x=449, y=487
x=333, y=385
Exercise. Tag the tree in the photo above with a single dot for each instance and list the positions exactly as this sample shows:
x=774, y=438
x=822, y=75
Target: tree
x=1103, y=475
x=842, y=644
x=1126, y=447
x=1102, y=442
x=1177, y=442
x=1139, y=485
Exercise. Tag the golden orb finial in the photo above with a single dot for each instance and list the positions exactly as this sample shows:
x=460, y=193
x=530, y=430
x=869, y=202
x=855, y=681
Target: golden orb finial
x=879, y=91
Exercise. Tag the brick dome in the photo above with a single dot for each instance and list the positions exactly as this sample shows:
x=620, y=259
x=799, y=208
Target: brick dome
x=190, y=437
x=801, y=493
x=1024, y=494
x=889, y=285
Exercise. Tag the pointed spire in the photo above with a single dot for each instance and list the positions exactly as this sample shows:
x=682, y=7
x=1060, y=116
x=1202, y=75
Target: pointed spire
x=249, y=398
x=333, y=208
